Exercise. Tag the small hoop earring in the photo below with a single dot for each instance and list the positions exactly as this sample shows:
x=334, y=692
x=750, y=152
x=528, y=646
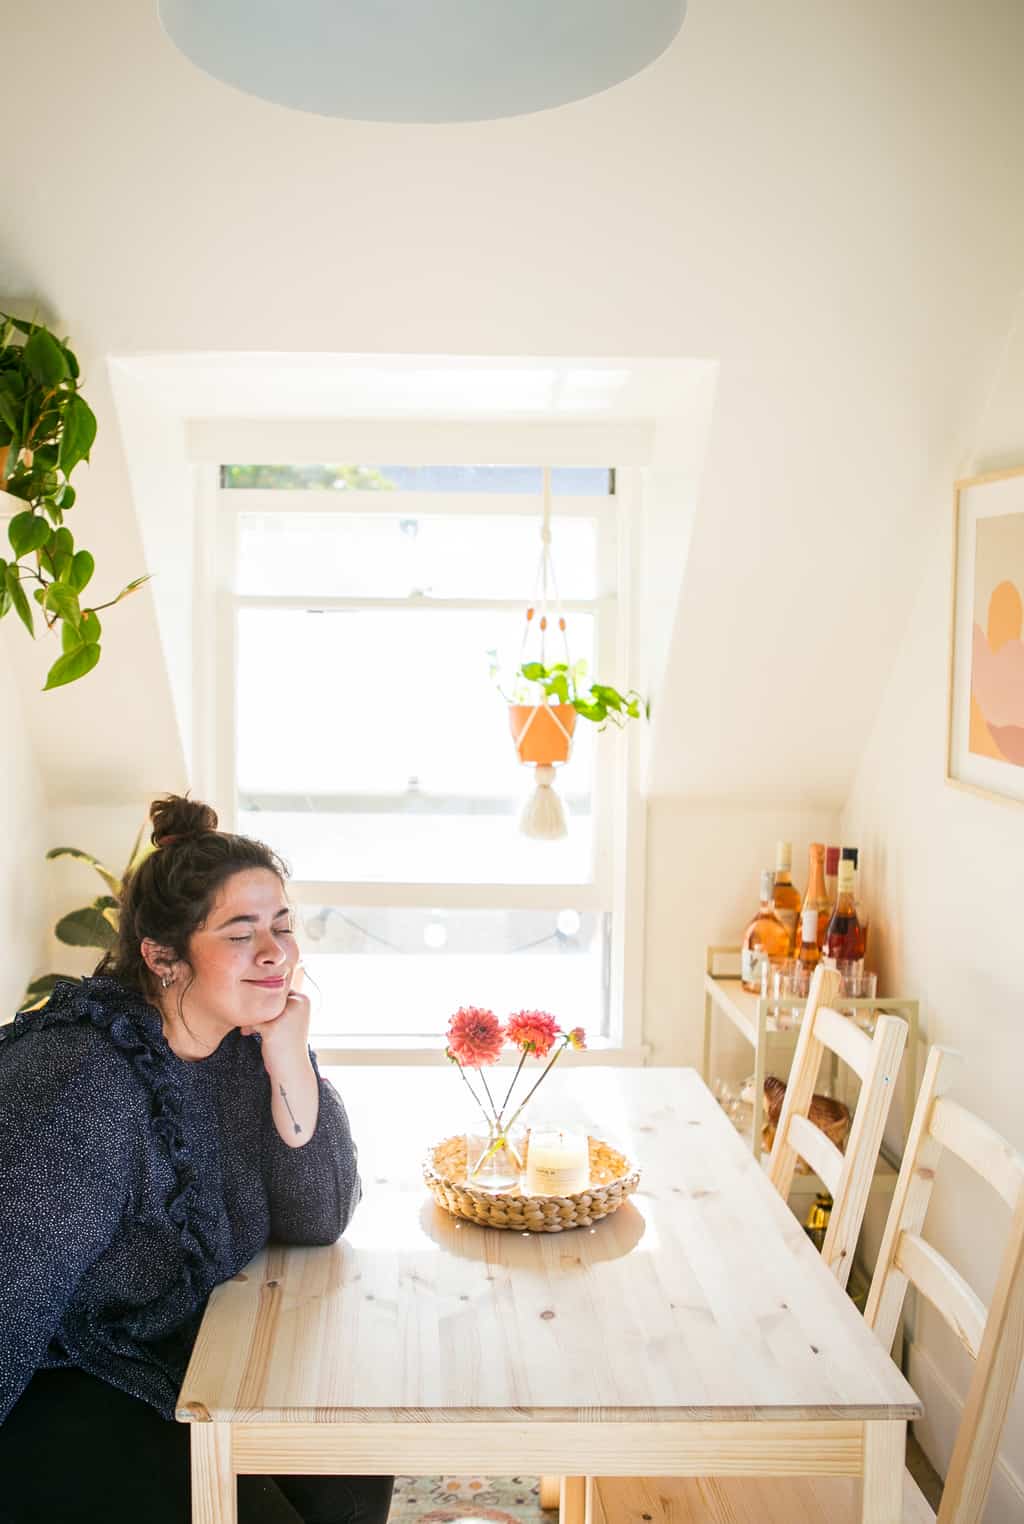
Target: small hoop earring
x=166, y=981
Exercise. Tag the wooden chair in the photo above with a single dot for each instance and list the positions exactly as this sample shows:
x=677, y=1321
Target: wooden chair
x=848, y=1176
x=994, y=1337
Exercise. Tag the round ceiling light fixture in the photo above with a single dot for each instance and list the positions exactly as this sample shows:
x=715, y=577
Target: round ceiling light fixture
x=422, y=60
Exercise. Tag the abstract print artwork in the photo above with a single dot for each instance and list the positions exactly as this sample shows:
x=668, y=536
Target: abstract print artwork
x=986, y=729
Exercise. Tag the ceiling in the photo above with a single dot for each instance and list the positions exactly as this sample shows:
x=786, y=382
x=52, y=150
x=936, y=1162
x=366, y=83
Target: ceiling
x=824, y=203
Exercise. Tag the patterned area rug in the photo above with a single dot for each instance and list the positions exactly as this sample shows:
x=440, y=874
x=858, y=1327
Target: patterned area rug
x=468, y=1500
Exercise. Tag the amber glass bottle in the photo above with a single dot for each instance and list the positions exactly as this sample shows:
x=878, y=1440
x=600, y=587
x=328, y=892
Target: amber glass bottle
x=816, y=897
x=765, y=939
x=785, y=893
x=831, y=875
x=844, y=940
x=853, y=853
x=809, y=953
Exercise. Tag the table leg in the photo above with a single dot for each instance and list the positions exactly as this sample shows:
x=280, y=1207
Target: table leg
x=214, y=1488
x=572, y=1503
x=550, y=1491
x=885, y=1450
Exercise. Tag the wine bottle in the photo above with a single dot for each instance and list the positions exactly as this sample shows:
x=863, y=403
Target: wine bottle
x=785, y=893
x=844, y=940
x=809, y=953
x=765, y=940
x=832, y=875
x=853, y=854
x=816, y=897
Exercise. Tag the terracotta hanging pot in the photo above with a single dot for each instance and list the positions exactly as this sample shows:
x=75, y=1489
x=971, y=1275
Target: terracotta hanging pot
x=542, y=732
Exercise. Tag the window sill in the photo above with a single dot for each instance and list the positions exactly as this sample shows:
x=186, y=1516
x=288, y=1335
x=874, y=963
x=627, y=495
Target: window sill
x=349, y=1050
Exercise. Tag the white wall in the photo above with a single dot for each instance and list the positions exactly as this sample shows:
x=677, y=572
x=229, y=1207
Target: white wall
x=947, y=891
x=23, y=841
x=823, y=201
x=704, y=860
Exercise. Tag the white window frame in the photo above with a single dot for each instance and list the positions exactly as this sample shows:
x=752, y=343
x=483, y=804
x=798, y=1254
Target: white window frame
x=617, y=880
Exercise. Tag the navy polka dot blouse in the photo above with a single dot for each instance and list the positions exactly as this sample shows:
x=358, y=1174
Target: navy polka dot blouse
x=132, y=1182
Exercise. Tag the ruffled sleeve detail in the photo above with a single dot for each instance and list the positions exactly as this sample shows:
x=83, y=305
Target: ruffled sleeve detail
x=134, y=1027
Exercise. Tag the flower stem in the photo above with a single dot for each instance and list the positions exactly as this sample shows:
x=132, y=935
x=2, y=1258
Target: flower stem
x=519, y=1070
x=472, y=1092
x=557, y=1054
x=487, y=1092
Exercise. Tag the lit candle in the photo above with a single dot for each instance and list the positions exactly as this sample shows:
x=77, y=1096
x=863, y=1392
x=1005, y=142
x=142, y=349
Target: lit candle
x=558, y=1161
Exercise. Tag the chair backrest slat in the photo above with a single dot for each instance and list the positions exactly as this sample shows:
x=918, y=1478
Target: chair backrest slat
x=945, y=1288
x=996, y=1337
x=838, y=1032
x=819, y=1151
x=980, y=1146
x=877, y=1061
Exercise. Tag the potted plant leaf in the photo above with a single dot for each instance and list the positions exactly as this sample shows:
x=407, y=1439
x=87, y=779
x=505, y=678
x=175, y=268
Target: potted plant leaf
x=46, y=430
x=92, y=925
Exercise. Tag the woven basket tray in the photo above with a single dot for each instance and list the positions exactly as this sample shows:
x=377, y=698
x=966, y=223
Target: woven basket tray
x=612, y=1179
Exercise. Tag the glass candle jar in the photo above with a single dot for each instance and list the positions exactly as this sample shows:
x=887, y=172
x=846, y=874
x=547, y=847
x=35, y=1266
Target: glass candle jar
x=557, y=1160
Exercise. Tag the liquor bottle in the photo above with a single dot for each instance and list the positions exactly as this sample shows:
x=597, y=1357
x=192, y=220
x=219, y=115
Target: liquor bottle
x=809, y=953
x=816, y=897
x=832, y=874
x=844, y=940
x=853, y=854
x=765, y=940
x=785, y=893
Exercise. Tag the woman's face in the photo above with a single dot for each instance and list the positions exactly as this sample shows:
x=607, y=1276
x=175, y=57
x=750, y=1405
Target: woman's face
x=243, y=958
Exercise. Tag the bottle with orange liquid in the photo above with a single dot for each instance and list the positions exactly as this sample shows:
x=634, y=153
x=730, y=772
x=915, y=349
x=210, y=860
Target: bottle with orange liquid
x=817, y=897
x=785, y=894
x=809, y=953
x=832, y=875
x=765, y=940
x=844, y=940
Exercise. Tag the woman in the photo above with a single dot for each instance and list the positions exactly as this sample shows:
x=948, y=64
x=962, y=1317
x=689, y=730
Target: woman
x=159, y=1122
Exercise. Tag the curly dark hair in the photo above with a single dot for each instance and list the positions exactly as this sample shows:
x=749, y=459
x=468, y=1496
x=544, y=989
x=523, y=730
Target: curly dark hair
x=169, y=895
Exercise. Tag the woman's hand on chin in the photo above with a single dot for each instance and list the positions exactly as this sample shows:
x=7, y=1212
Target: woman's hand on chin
x=285, y=1037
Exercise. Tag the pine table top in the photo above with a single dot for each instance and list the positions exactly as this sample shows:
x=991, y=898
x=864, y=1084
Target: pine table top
x=701, y=1299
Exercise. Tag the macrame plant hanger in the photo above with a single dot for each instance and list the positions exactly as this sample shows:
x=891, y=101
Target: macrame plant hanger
x=543, y=732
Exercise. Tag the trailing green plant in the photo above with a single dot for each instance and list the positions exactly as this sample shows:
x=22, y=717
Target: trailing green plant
x=533, y=682
x=47, y=429
x=93, y=925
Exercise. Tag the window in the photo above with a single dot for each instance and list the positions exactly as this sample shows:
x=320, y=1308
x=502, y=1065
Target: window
x=363, y=609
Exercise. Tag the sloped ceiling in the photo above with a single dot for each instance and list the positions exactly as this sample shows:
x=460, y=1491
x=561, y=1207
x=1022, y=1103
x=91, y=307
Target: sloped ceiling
x=826, y=200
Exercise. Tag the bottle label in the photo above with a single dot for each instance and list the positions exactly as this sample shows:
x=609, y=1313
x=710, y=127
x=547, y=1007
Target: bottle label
x=788, y=919
x=751, y=960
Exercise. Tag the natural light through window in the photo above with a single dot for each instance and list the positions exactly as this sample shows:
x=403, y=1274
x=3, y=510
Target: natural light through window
x=377, y=612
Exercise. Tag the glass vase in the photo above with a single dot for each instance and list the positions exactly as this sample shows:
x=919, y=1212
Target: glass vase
x=494, y=1156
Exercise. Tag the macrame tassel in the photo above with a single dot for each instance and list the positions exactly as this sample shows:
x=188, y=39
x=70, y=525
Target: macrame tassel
x=543, y=816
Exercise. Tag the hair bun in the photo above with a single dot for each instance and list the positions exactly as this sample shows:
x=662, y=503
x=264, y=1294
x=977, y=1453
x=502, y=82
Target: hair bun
x=175, y=817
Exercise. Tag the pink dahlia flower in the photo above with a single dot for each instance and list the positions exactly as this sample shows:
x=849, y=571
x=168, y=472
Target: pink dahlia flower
x=577, y=1038
x=533, y=1031
x=475, y=1037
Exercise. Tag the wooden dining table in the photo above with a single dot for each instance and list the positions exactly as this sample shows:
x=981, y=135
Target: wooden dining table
x=694, y=1331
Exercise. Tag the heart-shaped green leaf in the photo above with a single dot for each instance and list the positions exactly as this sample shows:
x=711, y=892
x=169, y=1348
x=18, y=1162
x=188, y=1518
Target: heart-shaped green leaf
x=82, y=567
x=16, y=593
x=44, y=358
x=27, y=532
x=79, y=433
x=71, y=666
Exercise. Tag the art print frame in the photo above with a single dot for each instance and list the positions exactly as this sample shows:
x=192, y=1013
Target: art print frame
x=985, y=695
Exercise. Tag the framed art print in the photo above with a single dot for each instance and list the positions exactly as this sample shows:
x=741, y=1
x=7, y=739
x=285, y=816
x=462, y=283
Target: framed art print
x=985, y=733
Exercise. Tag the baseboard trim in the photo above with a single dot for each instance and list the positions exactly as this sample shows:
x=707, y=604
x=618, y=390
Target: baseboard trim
x=936, y=1433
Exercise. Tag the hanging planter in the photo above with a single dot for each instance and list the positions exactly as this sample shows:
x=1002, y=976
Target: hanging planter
x=542, y=732
x=546, y=701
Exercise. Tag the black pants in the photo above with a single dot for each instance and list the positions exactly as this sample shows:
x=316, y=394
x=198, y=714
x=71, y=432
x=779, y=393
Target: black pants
x=74, y=1450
